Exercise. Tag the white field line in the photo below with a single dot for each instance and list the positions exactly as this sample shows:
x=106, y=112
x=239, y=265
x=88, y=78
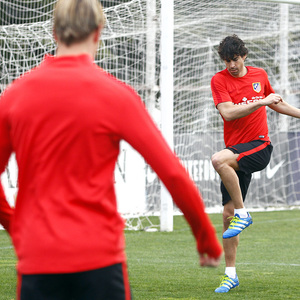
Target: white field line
x=270, y=264
x=266, y=221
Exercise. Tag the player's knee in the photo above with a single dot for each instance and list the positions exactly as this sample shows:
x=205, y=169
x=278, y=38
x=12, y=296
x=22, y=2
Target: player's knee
x=216, y=161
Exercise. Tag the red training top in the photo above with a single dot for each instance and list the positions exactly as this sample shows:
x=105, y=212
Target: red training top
x=252, y=87
x=65, y=120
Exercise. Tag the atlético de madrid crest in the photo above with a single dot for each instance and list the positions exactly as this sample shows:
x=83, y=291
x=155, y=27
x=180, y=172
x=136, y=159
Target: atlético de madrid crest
x=256, y=87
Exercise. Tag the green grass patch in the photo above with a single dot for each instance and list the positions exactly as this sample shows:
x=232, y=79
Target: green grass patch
x=7, y=268
x=166, y=266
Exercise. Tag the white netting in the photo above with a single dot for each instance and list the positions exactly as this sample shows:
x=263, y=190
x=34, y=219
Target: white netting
x=273, y=43
x=133, y=28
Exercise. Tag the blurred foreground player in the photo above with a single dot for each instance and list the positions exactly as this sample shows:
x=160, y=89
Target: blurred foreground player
x=65, y=120
x=241, y=94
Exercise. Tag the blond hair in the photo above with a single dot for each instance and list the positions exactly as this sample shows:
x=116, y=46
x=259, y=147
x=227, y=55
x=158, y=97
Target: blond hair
x=74, y=20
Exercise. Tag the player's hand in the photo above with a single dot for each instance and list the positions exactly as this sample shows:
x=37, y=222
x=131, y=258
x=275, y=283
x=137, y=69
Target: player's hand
x=207, y=261
x=272, y=99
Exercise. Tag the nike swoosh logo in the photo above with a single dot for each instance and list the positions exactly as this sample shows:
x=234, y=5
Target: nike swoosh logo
x=272, y=171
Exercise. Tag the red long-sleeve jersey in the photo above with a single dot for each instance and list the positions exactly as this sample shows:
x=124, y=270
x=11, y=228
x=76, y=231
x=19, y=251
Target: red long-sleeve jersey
x=252, y=87
x=65, y=120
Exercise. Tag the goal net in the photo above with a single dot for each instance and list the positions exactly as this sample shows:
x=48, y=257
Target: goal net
x=131, y=50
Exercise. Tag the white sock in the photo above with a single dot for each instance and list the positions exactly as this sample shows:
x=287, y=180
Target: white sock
x=242, y=212
x=230, y=271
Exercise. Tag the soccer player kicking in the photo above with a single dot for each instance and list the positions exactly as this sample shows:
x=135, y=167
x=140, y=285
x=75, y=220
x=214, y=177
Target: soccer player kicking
x=241, y=94
x=65, y=121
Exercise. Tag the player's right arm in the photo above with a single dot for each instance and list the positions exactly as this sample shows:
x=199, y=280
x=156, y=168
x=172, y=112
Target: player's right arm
x=226, y=105
x=231, y=112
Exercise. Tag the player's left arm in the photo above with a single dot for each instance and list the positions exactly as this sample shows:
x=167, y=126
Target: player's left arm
x=284, y=108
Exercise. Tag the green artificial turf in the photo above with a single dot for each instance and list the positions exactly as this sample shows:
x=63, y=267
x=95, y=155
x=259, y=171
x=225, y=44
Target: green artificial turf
x=165, y=265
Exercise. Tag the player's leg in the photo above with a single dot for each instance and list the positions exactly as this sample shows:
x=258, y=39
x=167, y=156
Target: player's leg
x=248, y=158
x=240, y=219
x=254, y=157
x=225, y=163
x=230, y=279
x=229, y=245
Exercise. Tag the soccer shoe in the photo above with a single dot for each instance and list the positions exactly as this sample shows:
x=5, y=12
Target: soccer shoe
x=237, y=225
x=227, y=284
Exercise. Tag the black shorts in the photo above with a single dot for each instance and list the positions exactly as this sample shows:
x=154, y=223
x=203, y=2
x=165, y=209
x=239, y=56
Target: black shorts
x=253, y=156
x=101, y=284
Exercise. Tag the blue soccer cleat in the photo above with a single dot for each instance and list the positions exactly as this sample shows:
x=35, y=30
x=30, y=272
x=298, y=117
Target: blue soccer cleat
x=227, y=284
x=237, y=225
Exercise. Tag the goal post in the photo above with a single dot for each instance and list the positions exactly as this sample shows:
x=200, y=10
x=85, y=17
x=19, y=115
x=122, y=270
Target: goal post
x=166, y=90
x=167, y=50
